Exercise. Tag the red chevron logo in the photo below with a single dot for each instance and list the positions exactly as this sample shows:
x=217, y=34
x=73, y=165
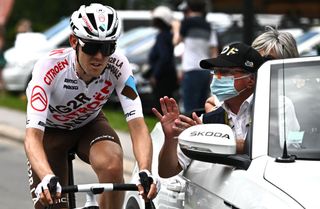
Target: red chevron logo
x=39, y=99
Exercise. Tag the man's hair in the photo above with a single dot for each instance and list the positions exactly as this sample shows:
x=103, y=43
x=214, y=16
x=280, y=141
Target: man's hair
x=283, y=43
x=197, y=5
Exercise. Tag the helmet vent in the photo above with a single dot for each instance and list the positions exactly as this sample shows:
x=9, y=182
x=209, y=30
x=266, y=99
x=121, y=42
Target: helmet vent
x=92, y=20
x=88, y=31
x=110, y=20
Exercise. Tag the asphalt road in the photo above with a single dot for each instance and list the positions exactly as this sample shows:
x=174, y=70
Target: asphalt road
x=14, y=191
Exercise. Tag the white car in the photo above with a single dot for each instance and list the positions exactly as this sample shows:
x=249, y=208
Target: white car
x=309, y=42
x=281, y=168
x=28, y=48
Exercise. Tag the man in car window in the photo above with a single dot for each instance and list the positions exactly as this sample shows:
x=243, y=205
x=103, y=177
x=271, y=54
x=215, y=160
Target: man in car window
x=273, y=44
x=68, y=89
x=233, y=83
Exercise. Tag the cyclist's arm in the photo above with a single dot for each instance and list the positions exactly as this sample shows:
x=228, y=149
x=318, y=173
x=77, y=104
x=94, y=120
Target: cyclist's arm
x=33, y=145
x=141, y=141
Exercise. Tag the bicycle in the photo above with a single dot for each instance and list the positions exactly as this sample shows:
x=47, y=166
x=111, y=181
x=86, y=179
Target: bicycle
x=94, y=189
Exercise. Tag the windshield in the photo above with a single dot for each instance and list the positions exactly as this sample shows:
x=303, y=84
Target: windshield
x=294, y=110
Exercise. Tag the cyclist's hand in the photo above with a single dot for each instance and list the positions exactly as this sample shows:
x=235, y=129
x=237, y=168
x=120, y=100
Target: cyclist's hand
x=49, y=190
x=148, y=185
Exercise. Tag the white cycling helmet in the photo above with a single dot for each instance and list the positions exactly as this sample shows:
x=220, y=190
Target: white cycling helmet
x=95, y=23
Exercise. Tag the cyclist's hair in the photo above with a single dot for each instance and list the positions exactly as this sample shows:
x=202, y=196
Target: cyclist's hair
x=283, y=43
x=96, y=23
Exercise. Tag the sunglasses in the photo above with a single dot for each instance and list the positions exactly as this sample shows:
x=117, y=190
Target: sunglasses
x=92, y=48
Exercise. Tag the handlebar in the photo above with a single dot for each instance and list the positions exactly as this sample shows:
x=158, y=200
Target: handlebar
x=98, y=188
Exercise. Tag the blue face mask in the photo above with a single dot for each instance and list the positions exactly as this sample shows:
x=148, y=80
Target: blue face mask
x=224, y=88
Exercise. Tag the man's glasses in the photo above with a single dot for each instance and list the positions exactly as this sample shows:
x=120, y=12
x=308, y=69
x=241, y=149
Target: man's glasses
x=92, y=48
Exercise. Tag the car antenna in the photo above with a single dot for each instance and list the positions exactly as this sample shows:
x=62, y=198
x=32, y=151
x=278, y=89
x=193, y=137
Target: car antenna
x=285, y=158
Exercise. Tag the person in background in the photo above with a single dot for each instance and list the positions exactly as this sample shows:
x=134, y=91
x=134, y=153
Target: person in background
x=66, y=94
x=272, y=44
x=163, y=76
x=234, y=83
x=200, y=42
x=24, y=25
x=276, y=44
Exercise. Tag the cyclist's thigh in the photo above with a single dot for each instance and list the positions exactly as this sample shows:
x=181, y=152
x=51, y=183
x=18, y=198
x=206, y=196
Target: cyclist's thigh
x=96, y=131
x=56, y=143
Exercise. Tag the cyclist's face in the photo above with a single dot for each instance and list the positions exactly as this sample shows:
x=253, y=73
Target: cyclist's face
x=94, y=63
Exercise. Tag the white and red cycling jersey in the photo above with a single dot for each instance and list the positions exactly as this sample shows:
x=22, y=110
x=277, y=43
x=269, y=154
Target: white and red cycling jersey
x=58, y=98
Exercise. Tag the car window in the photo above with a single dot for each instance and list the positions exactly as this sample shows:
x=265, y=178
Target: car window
x=294, y=110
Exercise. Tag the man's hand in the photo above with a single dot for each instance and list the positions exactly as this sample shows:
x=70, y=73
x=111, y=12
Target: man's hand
x=185, y=122
x=43, y=192
x=172, y=122
x=170, y=111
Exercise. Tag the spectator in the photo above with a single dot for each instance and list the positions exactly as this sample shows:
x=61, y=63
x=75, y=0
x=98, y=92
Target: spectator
x=271, y=44
x=234, y=82
x=24, y=25
x=277, y=45
x=161, y=58
x=199, y=42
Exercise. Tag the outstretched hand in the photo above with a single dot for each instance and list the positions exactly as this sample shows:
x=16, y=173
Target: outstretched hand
x=172, y=122
x=170, y=113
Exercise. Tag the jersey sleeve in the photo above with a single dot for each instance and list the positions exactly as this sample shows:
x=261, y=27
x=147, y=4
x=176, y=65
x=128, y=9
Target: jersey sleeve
x=38, y=94
x=127, y=92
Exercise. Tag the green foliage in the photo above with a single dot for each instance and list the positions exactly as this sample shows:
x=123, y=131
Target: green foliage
x=115, y=116
x=14, y=101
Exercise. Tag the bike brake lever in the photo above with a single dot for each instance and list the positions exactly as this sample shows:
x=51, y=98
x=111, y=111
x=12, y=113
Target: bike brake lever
x=146, y=181
x=52, y=186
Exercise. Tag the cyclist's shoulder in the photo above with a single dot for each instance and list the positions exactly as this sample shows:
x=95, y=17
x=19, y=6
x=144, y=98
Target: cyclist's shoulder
x=118, y=58
x=56, y=58
x=119, y=65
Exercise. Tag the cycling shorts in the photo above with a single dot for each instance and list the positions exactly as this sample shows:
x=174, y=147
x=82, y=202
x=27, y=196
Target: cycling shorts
x=58, y=143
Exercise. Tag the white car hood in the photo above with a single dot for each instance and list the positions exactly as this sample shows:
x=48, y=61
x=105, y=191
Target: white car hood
x=299, y=179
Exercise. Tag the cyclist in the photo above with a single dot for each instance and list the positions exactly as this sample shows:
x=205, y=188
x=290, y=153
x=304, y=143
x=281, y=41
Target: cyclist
x=68, y=89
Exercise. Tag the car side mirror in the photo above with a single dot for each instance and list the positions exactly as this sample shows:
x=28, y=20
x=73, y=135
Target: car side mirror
x=213, y=143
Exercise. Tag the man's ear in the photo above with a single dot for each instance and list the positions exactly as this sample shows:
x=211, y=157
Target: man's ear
x=252, y=82
x=73, y=41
